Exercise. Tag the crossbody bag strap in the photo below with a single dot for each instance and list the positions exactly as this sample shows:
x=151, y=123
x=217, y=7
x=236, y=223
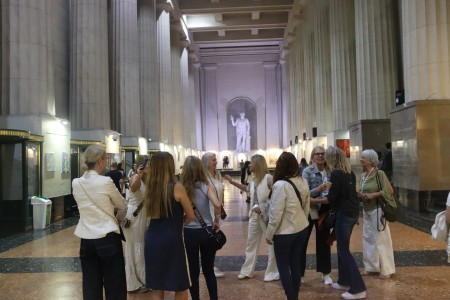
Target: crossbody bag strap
x=101, y=209
x=377, y=177
x=199, y=216
x=296, y=190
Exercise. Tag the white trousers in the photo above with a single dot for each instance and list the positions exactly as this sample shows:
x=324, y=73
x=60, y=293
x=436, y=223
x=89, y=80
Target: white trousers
x=256, y=230
x=378, y=254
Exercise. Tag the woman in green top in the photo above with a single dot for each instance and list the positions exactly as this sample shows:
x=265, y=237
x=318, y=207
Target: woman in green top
x=378, y=254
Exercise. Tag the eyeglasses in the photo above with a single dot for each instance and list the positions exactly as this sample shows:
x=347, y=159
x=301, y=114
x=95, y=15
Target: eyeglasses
x=319, y=153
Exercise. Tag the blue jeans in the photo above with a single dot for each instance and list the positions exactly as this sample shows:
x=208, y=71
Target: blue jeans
x=196, y=240
x=103, y=264
x=348, y=271
x=288, y=253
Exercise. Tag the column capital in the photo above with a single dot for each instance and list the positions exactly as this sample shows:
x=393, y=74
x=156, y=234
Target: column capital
x=163, y=5
x=270, y=64
x=210, y=67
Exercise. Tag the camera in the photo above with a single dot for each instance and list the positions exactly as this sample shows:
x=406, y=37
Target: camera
x=115, y=137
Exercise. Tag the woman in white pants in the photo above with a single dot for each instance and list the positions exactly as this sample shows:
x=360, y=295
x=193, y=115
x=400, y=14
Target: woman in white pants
x=259, y=190
x=378, y=253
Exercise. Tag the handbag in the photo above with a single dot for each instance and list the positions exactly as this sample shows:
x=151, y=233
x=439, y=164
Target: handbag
x=127, y=222
x=391, y=209
x=217, y=239
x=327, y=220
x=439, y=230
x=122, y=236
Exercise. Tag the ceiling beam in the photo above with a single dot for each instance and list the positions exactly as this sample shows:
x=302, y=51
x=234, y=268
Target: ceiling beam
x=233, y=6
x=238, y=35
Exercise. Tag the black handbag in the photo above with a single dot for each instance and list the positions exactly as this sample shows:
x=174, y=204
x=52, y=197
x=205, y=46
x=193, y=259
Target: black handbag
x=223, y=213
x=217, y=239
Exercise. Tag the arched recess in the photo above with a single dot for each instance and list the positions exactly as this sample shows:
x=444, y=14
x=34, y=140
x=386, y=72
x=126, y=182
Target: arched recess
x=234, y=108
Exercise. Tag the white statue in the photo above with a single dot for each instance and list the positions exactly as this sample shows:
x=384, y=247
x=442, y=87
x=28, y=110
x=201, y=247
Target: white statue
x=242, y=133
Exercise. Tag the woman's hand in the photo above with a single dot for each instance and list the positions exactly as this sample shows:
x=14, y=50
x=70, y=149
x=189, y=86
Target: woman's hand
x=324, y=186
x=256, y=209
x=216, y=224
x=269, y=242
x=228, y=177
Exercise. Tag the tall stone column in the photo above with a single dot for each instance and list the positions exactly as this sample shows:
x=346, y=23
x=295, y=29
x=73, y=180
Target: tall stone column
x=25, y=59
x=196, y=93
x=343, y=63
x=148, y=71
x=187, y=109
x=309, y=77
x=209, y=108
x=124, y=72
x=165, y=72
x=176, y=86
x=376, y=57
x=273, y=116
x=322, y=78
x=426, y=50
x=285, y=103
x=89, y=86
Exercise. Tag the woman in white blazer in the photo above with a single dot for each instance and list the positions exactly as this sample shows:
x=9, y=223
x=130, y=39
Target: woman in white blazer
x=101, y=254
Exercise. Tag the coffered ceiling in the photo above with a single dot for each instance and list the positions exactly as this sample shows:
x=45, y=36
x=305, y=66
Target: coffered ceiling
x=235, y=27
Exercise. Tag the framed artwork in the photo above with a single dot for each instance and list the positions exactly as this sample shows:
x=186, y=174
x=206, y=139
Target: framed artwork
x=344, y=144
x=65, y=162
x=50, y=162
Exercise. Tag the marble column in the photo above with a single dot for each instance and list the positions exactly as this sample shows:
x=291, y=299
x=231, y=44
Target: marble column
x=25, y=59
x=175, y=51
x=309, y=78
x=322, y=58
x=148, y=71
x=285, y=102
x=124, y=71
x=273, y=117
x=187, y=112
x=197, y=95
x=376, y=57
x=89, y=86
x=426, y=49
x=209, y=108
x=165, y=72
x=343, y=63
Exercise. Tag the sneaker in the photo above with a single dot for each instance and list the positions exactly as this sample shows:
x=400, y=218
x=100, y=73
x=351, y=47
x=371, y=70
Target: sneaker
x=369, y=273
x=327, y=279
x=218, y=272
x=242, y=276
x=337, y=286
x=361, y=295
x=269, y=279
x=383, y=277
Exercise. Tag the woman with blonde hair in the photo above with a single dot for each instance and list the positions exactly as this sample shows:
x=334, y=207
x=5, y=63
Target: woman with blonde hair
x=378, y=253
x=201, y=193
x=343, y=199
x=209, y=161
x=259, y=190
x=168, y=206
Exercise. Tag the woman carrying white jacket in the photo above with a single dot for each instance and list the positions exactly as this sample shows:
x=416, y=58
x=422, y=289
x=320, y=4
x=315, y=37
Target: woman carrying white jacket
x=259, y=189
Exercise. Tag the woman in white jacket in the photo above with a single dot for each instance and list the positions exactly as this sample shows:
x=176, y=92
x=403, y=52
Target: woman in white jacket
x=259, y=190
x=288, y=222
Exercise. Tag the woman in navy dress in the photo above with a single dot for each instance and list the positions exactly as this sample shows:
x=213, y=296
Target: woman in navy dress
x=168, y=206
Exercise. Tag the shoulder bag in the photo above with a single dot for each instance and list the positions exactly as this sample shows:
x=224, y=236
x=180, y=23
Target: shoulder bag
x=223, y=213
x=122, y=236
x=391, y=209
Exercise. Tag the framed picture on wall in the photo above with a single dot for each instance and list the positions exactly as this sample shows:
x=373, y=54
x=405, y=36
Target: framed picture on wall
x=65, y=162
x=50, y=162
x=344, y=144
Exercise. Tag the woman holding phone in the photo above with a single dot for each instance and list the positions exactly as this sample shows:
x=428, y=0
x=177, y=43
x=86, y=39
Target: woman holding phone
x=134, y=230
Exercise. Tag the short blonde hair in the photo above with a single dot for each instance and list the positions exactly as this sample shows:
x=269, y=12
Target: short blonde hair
x=92, y=154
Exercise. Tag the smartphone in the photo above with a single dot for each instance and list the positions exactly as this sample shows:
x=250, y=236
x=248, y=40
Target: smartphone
x=144, y=163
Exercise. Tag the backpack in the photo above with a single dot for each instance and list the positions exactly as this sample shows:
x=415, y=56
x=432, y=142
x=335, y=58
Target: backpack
x=391, y=209
x=439, y=230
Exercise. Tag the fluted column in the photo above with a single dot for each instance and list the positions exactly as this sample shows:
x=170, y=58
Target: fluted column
x=426, y=50
x=322, y=58
x=273, y=121
x=176, y=86
x=89, y=86
x=376, y=57
x=209, y=108
x=165, y=72
x=343, y=63
x=124, y=72
x=197, y=95
x=25, y=59
x=309, y=77
x=188, y=114
x=285, y=103
x=148, y=67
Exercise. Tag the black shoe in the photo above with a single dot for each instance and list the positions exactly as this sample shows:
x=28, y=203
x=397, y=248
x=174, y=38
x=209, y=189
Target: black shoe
x=248, y=200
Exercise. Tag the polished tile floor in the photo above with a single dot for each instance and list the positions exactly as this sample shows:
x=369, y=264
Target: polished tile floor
x=44, y=264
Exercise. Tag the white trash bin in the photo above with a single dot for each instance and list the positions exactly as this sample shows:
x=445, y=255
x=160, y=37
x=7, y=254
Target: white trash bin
x=42, y=210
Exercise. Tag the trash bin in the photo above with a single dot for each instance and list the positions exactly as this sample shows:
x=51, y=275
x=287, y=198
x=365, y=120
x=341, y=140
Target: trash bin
x=42, y=211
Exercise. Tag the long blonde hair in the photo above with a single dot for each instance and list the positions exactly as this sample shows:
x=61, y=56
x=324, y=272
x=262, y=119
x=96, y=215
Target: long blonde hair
x=159, y=185
x=336, y=159
x=193, y=172
x=259, y=167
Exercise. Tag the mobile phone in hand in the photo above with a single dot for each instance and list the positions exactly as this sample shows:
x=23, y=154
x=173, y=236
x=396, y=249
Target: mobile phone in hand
x=144, y=163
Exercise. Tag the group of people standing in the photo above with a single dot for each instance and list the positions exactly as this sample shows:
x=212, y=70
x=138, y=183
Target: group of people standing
x=167, y=244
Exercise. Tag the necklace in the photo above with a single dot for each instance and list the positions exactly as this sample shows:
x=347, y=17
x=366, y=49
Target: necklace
x=364, y=178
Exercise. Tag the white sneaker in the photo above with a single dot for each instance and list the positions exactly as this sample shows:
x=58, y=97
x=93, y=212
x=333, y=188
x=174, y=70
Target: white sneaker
x=218, y=272
x=337, y=286
x=327, y=279
x=269, y=279
x=361, y=295
x=242, y=276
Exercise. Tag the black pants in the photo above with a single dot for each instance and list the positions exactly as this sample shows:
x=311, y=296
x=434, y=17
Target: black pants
x=103, y=264
x=323, y=250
